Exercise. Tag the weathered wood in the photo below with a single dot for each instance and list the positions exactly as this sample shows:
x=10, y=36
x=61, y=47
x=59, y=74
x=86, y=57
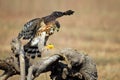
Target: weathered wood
x=10, y=67
x=43, y=65
x=82, y=67
x=22, y=65
x=17, y=49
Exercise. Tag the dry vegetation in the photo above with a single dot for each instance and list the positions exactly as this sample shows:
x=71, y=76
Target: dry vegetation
x=94, y=29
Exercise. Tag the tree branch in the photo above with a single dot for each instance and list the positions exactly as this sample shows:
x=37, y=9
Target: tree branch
x=10, y=67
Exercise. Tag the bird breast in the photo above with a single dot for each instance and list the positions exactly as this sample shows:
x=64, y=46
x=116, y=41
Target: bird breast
x=38, y=39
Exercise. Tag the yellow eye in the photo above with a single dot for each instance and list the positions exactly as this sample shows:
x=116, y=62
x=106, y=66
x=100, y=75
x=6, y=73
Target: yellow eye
x=50, y=46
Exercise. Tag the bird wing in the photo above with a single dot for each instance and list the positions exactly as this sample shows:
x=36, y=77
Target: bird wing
x=56, y=14
x=29, y=29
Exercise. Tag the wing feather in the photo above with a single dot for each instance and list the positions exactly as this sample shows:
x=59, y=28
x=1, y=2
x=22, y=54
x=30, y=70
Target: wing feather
x=29, y=29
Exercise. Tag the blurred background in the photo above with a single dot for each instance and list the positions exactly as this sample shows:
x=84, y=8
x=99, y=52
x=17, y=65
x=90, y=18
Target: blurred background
x=93, y=29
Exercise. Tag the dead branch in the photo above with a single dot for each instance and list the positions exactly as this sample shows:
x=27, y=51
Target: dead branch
x=43, y=65
x=22, y=65
x=78, y=66
x=18, y=51
x=10, y=67
x=82, y=67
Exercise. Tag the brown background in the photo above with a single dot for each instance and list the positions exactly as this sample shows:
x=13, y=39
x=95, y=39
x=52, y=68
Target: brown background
x=94, y=29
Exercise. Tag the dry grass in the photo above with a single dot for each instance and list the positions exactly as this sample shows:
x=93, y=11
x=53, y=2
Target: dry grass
x=94, y=29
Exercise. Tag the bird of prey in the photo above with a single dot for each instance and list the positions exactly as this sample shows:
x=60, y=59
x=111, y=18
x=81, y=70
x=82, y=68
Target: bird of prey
x=38, y=30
